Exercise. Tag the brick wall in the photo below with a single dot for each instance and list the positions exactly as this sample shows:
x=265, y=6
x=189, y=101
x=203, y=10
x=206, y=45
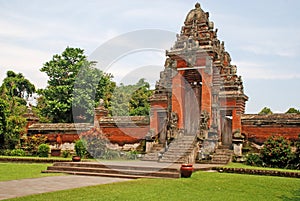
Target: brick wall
x=258, y=128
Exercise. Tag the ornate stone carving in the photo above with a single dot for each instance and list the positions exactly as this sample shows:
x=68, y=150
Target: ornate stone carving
x=173, y=125
x=204, y=118
x=233, y=70
x=203, y=124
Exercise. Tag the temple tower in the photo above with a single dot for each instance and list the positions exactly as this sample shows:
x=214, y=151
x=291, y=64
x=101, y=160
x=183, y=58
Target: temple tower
x=199, y=91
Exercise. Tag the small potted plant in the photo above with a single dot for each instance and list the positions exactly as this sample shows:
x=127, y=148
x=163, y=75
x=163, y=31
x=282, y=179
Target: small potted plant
x=80, y=151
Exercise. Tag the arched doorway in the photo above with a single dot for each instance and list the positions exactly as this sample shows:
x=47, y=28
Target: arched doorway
x=192, y=100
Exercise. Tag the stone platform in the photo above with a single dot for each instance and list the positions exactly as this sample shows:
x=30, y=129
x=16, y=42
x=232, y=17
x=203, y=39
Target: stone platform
x=123, y=169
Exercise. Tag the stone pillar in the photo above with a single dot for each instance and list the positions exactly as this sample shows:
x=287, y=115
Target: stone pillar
x=30, y=118
x=237, y=147
x=236, y=121
x=100, y=112
x=178, y=98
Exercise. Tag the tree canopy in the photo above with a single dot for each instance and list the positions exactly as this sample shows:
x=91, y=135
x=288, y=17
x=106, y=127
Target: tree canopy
x=266, y=110
x=14, y=91
x=292, y=111
x=131, y=100
x=17, y=85
x=65, y=71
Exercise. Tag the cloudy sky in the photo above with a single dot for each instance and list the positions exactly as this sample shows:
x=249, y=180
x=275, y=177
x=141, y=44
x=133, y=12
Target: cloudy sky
x=263, y=38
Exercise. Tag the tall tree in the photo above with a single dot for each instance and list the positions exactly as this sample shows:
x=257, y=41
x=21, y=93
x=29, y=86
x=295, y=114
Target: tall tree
x=65, y=71
x=139, y=103
x=14, y=91
x=91, y=86
x=131, y=100
x=16, y=85
x=62, y=71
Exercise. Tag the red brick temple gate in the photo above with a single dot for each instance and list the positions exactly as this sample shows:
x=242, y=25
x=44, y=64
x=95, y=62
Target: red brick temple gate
x=199, y=92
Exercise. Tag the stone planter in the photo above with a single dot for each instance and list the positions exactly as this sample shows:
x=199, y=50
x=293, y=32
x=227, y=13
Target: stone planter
x=186, y=170
x=76, y=159
x=55, y=152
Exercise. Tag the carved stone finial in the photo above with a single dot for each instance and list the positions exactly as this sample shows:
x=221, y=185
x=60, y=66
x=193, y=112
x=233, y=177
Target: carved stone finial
x=197, y=5
x=101, y=102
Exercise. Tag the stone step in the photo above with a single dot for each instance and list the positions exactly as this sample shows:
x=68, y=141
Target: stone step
x=105, y=174
x=224, y=147
x=111, y=166
x=122, y=171
x=179, y=150
x=108, y=171
x=177, y=146
x=223, y=151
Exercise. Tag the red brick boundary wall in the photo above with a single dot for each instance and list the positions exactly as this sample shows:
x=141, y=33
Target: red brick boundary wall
x=124, y=130
x=257, y=128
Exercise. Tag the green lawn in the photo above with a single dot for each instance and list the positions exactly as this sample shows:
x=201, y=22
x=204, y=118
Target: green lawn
x=201, y=186
x=11, y=171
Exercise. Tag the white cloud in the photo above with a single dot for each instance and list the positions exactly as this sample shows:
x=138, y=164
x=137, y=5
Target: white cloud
x=263, y=70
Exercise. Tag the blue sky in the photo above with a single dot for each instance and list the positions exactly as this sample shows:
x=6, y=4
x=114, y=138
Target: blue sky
x=262, y=38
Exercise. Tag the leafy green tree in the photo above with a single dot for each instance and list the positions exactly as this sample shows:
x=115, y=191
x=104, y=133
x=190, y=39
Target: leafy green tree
x=120, y=100
x=139, y=103
x=292, y=111
x=91, y=86
x=64, y=71
x=4, y=112
x=266, y=110
x=17, y=85
x=15, y=89
x=131, y=100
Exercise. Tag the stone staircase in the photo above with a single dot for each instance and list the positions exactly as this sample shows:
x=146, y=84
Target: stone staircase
x=222, y=155
x=155, y=153
x=180, y=150
x=108, y=170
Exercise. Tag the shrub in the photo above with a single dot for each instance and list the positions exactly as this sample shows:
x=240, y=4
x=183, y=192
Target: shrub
x=96, y=143
x=31, y=143
x=5, y=152
x=111, y=154
x=295, y=162
x=276, y=152
x=80, y=148
x=17, y=152
x=43, y=150
x=66, y=153
x=254, y=160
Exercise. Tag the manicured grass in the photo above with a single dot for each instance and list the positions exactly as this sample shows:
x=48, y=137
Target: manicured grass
x=201, y=186
x=241, y=165
x=12, y=171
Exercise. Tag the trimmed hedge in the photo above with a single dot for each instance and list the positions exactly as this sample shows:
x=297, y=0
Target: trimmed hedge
x=258, y=172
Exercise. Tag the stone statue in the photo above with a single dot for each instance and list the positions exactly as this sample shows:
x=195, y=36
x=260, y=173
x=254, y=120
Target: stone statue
x=204, y=117
x=203, y=124
x=168, y=62
x=173, y=125
x=233, y=69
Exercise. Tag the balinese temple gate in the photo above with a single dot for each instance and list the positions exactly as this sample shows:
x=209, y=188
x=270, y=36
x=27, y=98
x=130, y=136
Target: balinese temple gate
x=199, y=95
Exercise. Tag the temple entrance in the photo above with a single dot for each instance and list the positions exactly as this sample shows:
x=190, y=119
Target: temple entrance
x=227, y=131
x=162, y=117
x=192, y=101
